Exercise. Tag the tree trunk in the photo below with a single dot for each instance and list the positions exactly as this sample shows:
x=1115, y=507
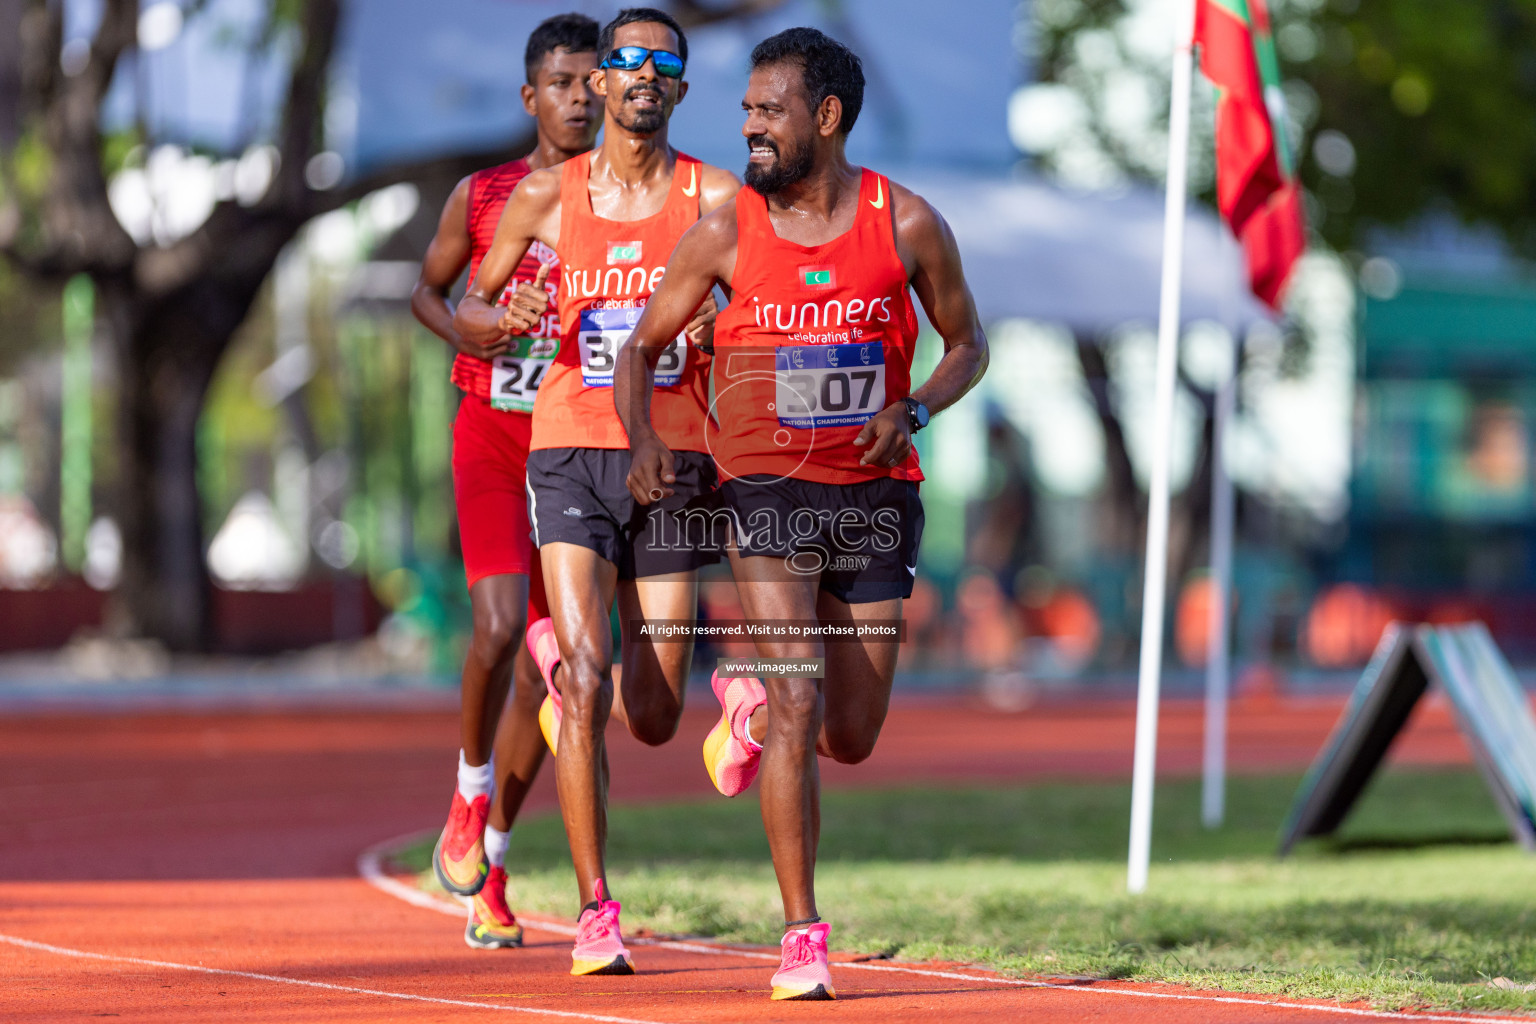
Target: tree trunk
x=1190, y=516
x=1124, y=503
x=168, y=348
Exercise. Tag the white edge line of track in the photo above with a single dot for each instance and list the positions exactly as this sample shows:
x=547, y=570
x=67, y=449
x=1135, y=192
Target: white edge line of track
x=370, y=866
x=80, y=954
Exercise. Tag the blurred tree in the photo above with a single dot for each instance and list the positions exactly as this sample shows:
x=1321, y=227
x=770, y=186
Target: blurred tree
x=170, y=309
x=1422, y=105
x=1398, y=108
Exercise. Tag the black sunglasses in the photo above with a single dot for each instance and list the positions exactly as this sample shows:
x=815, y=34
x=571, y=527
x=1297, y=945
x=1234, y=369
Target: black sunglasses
x=631, y=58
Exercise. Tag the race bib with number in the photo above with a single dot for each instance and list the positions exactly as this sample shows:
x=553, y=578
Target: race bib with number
x=517, y=373
x=604, y=330
x=828, y=385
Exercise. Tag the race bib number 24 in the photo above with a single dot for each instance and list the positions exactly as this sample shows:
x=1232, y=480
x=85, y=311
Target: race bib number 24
x=517, y=373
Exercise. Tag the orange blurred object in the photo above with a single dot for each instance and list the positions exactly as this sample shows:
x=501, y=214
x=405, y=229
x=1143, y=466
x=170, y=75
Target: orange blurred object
x=1344, y=625
x=1192, y=621
x=1072, y=623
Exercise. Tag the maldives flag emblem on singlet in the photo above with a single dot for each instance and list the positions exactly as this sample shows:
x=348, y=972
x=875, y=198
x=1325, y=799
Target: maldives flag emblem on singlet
x=624, y=252
x=818, y=278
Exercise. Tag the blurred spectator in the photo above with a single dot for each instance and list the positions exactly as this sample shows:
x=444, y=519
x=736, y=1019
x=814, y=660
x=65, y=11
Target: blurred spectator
x=1497, y=448
x=1064, y=620
x=28, y=550
x=924, y=616
x=1002, y=527
x=1344, y=625
x=252, y=551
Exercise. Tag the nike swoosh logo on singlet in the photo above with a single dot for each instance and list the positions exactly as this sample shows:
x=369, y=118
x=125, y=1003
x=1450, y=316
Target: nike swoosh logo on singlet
x=693, y=181
x=879, y=201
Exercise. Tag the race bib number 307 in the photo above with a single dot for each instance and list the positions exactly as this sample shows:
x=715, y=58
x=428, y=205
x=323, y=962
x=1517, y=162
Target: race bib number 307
x=828, y=385
x=602, y=333
x=517, y=373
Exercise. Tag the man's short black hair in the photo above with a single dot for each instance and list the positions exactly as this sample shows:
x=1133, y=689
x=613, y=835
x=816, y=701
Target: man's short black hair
x=575, y=33
x=631, y=15
x=827, y=67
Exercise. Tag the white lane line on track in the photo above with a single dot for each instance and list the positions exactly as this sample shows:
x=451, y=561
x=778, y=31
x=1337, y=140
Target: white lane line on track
x=80, y=954
x=370, y=865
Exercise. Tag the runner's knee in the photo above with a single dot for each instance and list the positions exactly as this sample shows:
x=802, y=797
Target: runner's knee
x=495, y=634
x=795, y=705
x=653, y=719
x=850, y=746
x=586, y=690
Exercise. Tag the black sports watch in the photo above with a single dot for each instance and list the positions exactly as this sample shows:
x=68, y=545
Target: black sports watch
x=917, y=414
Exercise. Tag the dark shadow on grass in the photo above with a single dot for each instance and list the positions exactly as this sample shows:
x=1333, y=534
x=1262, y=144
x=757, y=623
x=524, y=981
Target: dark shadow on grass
x=1377, y=843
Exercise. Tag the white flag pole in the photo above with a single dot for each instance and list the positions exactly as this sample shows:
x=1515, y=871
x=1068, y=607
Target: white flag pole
x=1156, y=577
x=1218, y=663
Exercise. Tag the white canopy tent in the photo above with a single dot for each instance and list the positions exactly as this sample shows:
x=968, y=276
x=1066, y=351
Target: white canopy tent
x=1091, y=261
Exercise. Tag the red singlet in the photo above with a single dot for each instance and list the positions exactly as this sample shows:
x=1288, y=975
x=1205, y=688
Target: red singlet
x=515, y=375
x=609, y=269
x=816, y=341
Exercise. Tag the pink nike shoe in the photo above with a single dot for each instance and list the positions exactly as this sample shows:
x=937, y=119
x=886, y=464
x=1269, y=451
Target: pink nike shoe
x=803, y=972
x=599, y=945
x=458, y=860
x=540, y=637
x=730, y=755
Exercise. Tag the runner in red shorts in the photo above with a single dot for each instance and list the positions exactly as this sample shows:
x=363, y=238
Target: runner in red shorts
x=490, y=452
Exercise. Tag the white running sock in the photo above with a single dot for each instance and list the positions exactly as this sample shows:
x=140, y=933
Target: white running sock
x=752, y=740
x=496, y=845
x=475, y=780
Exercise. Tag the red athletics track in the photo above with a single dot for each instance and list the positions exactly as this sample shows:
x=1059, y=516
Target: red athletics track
x=174, y=867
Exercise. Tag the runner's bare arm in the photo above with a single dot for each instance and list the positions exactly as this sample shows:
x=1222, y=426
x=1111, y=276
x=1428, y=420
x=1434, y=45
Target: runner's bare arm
x=704, y=255
x=447, y=256
x=719, y=187
x=526, y=218
x=927, y=248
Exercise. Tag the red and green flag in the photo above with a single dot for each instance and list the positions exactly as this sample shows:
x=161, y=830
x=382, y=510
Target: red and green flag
x=1256, y=186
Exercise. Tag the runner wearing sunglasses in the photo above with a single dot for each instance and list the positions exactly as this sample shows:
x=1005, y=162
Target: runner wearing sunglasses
x=499, y=379
x=613, y=217
x=812, y=376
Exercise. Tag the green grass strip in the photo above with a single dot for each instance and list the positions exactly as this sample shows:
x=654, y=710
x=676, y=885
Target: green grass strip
x=1420, y=902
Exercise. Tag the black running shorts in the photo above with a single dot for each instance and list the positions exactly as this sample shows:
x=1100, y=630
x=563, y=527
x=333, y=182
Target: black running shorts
x=578, y=496
x=860, y=538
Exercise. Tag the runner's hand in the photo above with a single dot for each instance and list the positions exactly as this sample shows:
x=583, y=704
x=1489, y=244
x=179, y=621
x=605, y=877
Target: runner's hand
x=527, y=305
x=651, y=466
x=701, y=329
x=487, y=351
x=888, y=435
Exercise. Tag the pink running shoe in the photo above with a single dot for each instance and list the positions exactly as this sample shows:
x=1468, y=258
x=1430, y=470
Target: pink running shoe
x=803, y=972
x=730, y=755
x=540, y=637
x=599, y=946
x=458, y=860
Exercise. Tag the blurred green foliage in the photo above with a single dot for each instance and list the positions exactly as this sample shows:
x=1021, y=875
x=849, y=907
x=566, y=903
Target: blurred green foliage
x=1436, y=100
